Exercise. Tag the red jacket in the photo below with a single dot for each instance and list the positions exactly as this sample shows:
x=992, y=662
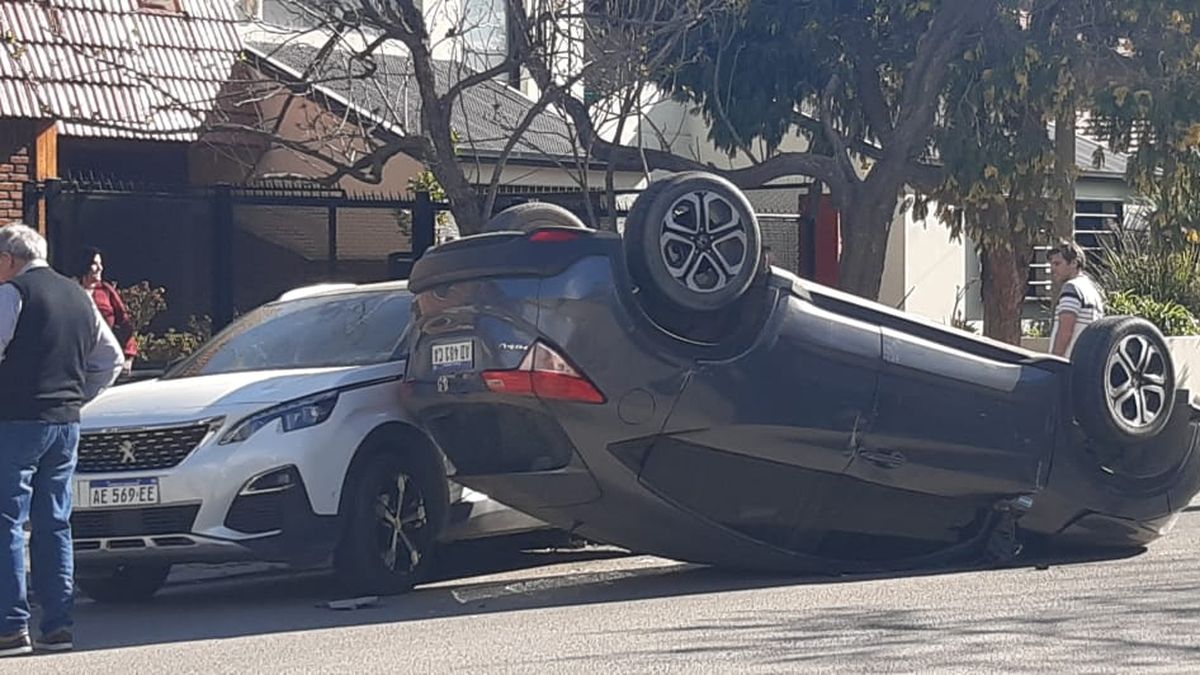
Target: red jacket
x=114, y=311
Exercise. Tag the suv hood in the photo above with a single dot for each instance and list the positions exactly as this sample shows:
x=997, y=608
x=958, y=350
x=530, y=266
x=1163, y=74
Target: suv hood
x=160, y=401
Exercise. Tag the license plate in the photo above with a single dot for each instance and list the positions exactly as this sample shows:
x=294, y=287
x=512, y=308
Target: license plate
x=454, y=354
x=99, y=494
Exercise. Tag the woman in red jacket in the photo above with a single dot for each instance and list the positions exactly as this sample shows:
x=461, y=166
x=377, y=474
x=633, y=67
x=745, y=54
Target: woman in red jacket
x=90, y=272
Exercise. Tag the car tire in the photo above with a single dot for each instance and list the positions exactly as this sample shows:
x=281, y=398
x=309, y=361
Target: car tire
x=1123, y=381
x=693, y=240
x=532, y=216
x=125, y=583
x=372, y=556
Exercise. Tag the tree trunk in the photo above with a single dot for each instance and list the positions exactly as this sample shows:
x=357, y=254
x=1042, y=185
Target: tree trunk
x=1004, y=276
x=465, y=202
x=1065, y=169
x=866, y=220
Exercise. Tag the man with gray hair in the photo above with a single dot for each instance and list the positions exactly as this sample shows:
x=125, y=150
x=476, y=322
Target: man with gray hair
x=56, y=353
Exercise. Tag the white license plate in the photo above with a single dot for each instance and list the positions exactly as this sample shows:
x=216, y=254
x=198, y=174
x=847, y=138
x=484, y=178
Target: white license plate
x=100, y=494
x=454, y=354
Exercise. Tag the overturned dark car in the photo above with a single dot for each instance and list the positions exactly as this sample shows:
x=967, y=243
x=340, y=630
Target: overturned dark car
x=670, y=392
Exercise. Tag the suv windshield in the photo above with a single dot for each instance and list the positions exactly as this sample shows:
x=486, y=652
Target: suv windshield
x=346, y=329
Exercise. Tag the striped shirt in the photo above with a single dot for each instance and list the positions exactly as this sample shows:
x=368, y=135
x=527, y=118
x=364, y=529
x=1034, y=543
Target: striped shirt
x=1080, y=296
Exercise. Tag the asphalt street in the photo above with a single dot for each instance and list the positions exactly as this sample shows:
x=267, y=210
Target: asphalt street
x=600, y=609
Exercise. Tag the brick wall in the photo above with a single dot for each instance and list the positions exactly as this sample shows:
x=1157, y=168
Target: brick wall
x=16, y=166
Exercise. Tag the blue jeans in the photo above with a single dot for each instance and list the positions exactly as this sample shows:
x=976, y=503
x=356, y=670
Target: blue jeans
x=37, y=462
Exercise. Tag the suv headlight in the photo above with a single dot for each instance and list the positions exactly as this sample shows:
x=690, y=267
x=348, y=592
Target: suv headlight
x=299, y=414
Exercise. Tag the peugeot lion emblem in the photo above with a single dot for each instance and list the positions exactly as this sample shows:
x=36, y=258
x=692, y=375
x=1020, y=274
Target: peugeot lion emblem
x=127, y=456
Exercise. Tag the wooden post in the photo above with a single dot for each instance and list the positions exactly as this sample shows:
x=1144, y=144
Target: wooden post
x=45, y=163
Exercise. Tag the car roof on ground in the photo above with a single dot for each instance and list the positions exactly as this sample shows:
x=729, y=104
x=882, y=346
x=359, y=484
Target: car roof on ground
x=317, y=290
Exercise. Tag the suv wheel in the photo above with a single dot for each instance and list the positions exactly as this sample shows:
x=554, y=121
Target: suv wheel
x=1123, y=380
x=694, y=241
x=396, y=507
x=125, y=583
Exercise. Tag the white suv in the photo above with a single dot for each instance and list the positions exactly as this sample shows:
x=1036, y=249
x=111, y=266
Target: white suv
x=283, y=438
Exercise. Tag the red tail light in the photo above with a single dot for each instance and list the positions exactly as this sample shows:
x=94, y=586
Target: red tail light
x=553, y=235
x=545, y=374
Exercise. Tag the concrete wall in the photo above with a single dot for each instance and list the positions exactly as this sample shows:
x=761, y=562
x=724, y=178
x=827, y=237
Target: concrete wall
x=925, y=269
x=684, y=132
x=895, y=265
x=1185, y=352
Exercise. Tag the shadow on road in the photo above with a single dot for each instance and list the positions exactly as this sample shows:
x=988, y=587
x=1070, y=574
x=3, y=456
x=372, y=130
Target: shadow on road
x=474, y=580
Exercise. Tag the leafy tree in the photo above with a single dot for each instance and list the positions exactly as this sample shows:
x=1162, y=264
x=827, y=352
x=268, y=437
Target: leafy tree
x=974, y=105
x=1144, y=72
x=1011, y=110
x=859, y=81
x=1005, y=177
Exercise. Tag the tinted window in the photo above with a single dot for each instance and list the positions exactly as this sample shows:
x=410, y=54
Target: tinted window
x=352, y=329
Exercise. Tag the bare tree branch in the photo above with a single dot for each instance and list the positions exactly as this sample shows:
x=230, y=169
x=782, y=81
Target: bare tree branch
x=940, y=43
x=841, y=154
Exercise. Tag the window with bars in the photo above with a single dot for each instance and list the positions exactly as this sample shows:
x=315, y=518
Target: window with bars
x=1096, y=223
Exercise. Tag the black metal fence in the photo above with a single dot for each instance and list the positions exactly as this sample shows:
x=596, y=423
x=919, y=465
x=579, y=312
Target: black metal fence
x=219, y=251
x=788, y=236
x=222, y=250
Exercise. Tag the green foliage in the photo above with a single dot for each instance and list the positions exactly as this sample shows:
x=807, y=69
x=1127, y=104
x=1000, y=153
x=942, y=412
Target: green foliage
x=145, y=302
x=1146, y=101
x=1171, y=317
x=424, y=181
x=174, y=344
x=1153, y=267
x=995, y=144
x=750, y=71
x=760, y=76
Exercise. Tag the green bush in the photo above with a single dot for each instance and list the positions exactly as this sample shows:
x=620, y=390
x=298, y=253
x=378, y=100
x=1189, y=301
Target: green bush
x=1152, y=267
x=146, y=302
x=1171, y=317
x=173, y=344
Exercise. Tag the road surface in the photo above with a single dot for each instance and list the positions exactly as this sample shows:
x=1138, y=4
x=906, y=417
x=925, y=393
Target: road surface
x=601, y=610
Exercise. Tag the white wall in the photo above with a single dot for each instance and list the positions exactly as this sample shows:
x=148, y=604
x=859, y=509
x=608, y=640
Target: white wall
x=679, y=128
x=893, y=287
x=925, y=269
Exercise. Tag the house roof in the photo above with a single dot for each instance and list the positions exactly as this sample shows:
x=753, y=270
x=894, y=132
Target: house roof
x=1113, y=164
x=484, y=118
x=106, y=68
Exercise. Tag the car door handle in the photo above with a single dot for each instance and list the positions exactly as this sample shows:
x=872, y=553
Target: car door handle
x=883, y=459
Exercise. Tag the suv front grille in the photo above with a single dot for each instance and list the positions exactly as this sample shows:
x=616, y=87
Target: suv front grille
x=133, y=522
x=139, y=449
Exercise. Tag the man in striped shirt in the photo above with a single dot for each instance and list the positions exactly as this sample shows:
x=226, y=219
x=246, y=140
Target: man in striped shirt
x=1079, y=303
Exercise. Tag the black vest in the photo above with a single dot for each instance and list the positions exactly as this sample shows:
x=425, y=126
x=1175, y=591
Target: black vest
x=44, y=366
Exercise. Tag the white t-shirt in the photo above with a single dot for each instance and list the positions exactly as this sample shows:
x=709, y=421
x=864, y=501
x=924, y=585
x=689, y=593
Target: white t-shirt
x=1080, y=296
